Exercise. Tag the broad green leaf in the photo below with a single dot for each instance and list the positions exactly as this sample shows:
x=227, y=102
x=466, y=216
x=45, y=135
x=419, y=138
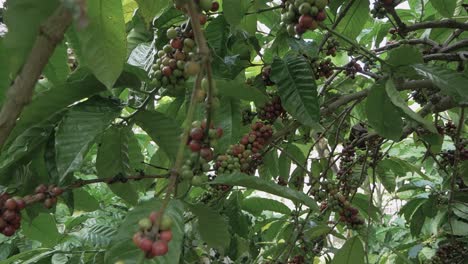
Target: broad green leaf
x=450, y=82
x=317, y=231
x=43, y=229
x=240, y=179
x=396, y=99
x=350, y=253
x=383, y=116
x=212, y=226
x=4, y=71
x=270, y=167
x=353, y=23
x=229, y=118
x=77, y=131
x=103, y=40
x=163, y=130
x=361, y=201
x=404, y=55
x=217, y=33
x=297, y=88
x=128, y=7
x=57, y=69
x=460, y=228
x=83, y=201
x=238, y=89
x=27, y=255
x=445, y=8
x=386, y=176
x=256, y=205
x=23, y=19
x=113, y=161
x=417, y=221
x=151, y=8
x=122, y=247
x=233, y=11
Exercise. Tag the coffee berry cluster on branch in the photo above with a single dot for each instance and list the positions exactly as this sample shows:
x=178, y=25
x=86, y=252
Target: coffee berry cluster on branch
x=302, y=15
x=151, y=239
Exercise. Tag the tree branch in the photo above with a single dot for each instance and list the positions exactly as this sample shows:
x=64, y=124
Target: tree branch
x=459, y=56
x=455, y=46
x=448, y=23
x=20, y=93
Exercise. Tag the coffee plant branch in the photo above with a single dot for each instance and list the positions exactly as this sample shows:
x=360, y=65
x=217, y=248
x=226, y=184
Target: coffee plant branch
x=20, y=92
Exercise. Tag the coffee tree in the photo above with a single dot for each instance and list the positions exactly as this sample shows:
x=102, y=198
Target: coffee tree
x=233, y=131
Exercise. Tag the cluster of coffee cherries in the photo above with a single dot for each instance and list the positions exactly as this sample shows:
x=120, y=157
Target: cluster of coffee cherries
x=204, y=8
x=453, y=251
x=271, y=110
x=200, y=142
x=45, y=193
x=245, y=156
x=302, y=15
x=350, y=216
x=248, y=116
x=352, y=68
x=332, y=46
x=152, y=241
x=450, y=129
x=324, y=68
x=10, y=219
x=380, y=8
x=298, y=259
x=176, y=62
x=448, y=156
x=195, y=169
x=266, y=73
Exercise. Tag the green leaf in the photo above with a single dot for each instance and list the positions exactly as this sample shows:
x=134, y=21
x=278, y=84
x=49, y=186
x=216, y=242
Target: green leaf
x=350, y=253
x=353, y=23
x=445, y=8
x=404, y=55
x=450, y=82
x=361, y=201
x=27, y=255
x=238, y=89
x=122, y=247
x=417, y=221
x=297, y=88
x=383, y=116
x=400, y=103
x=233, y=11
x=229, y=118
x=103, y=41
x=212, y=226
x=163, y=130
x=256, y=205
x=240, y=179
x=113, y=161
x=23, y=19
x=217, y=33
x=151, y=8
x=386, y=177
x=83, y=201
x=42, y=229
x=317, y=231
x=57, y=69
x=78, y=129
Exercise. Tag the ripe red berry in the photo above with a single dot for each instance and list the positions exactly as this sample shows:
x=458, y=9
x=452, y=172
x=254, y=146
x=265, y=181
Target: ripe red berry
x=10, y=204
x=20, y=204
x=145, y=244
x=137, y=237
x=41, y=188
x=219, y=132
x=177, y=43
x=57, y=191
x=206, y=154
x=195, y=145
x=153, y=216
x=166, y=235
x=202, y=19
x=8, y=231
x=167, y=71
x=159, y=248
x=321, y=16
x=305, y=21
x=214, y=6
x=9, y=215
x=196, y=133
x=48, y=203
x=3, y=224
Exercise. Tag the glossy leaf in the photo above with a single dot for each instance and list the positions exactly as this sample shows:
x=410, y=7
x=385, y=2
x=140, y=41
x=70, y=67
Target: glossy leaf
x=43, y=229
x=351, y=252
x=256, y=205
x=212, y=226
x=353, y=23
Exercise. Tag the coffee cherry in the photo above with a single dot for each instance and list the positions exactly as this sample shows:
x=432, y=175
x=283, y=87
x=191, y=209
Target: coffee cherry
x=177, y=43
x=57, y=191
x=9, y=231
x=321, y=4
x=153, y=216
x=219, y=132
x=10, y=204
x=214, y=6
x=49, y=203
x=191, y=68
x=196, y=133
x=306, y=21
x=171, y=33
x=41, y=188
x=195, y=145
x=137, y=238
x=166, y=223
x=207, y=154
x=187, y=174
x=145, y=224
x=205, y=5
x=321, y=16
x=9, y=215
x=202, y=19
x=145, y=244
x=167, y=71
x=166, y=235
x=159, y=248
